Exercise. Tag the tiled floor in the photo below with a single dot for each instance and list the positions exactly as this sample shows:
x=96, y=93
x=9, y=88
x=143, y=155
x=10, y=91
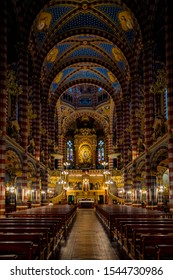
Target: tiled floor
x=87, y=240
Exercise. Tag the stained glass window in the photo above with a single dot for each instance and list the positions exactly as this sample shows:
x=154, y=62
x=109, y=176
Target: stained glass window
x=101, y=151
x=69, y=150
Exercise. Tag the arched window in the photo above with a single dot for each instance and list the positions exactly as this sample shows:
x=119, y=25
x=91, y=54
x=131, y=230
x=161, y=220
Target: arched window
x=101, y=151
x=69, y=150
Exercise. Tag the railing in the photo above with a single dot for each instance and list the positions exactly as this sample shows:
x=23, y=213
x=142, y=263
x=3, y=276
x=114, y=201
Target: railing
x=97, y=172
x=118, y=199
x=57, y=199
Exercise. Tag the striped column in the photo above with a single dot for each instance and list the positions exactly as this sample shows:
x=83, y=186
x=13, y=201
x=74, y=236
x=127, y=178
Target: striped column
x=61, y=147
x=134, y=114
x=126, y=124
x=60, y=139
x=110, y=138
x=18, y=191
x=45, y=185
x=106, y=148
x=36, y=123
x=44, y=136
x=134, y=181
x=76, y=146
x=44, y=141
x=21, y=196
x=3, y=101
x=135, y=127
x=23, y=98
x=94, y=146
x=51, y=134
x=37, y=185
x=110, y=150
x=33, y=192
x=119, y=131
x=23, y=106
x=149, y=109
x=152, y=194
x=36, y=126
x=169, y=73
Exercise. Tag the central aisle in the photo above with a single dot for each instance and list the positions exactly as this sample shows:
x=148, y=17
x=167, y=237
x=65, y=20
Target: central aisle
x=87, y=239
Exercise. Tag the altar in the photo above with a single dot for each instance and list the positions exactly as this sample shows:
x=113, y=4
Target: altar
x=86, y=203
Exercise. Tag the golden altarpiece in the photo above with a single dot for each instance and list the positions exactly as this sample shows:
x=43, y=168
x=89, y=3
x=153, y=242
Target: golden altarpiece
x=85, y=143
x=85, y=182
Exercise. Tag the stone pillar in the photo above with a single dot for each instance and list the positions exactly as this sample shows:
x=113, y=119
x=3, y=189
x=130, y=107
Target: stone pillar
x=51, y=135
x=44, y=141
x=149, y=109
x=36, y=123
x=134, y=115
x=119, y=132
x=110, y=150
x=3, y=100
x=61, y=146
x=94, y=146
x=126, y=124
x=36, y=126
x=169, y=70
x=18, y=181
x=22, y=69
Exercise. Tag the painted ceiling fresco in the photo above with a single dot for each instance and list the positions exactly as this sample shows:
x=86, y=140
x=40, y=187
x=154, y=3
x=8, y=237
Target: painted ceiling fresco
x=84, y=42
x=82, y=47
x=85, y=46
x=108, y=17
x=81, y=72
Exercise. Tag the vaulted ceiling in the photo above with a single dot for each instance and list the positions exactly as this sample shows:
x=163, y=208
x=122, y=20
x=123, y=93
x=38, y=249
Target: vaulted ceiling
x=93, y=42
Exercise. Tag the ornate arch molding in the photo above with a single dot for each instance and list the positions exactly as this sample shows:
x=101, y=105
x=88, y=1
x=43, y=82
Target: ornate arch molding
x=81, y=113
x=31, y=170
x=58, y=68
x=140, y=167
x=13, y=162
x=110, y=90
x=159, y=159
x=87, y=49
x=156, y=155
x=129, y=175
x=56, y=26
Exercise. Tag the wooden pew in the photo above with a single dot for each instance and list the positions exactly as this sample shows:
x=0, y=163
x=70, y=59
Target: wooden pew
x=137, y=235
x=65, y=212
x=36, y=238
x=120, y=231
x=23, y=249
x=27, y=230
x=37, y=223
x=109, y=214
x=61, y=216
x=150, y=241
x=126, y=238
x=57, y=227
x=8, y=257
x=164, y=251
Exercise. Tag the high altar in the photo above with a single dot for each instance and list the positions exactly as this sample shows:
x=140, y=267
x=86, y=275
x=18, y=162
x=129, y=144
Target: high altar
x=85, y=142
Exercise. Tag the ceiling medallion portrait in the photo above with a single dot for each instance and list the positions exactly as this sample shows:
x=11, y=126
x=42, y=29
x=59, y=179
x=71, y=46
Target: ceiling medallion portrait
x=84, y=6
